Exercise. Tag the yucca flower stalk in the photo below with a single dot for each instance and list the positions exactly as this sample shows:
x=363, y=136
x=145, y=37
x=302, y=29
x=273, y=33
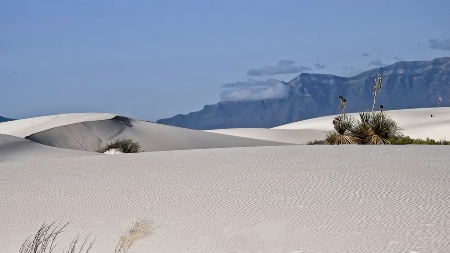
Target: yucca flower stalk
x=343, y=101
x=376, y=89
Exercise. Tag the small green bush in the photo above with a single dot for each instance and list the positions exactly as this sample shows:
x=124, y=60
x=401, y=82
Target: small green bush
x=405, y=140
x=397, y=140
x=316, y=142
x=124, y=145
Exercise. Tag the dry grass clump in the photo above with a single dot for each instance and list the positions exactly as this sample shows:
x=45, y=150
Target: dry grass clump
x=123, y=145
x=45, y=239
x=139, y=230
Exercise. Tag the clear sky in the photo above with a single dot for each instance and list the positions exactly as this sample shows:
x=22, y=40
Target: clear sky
x=154, y=59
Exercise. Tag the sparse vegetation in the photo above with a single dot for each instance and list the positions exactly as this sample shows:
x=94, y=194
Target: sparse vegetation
x=342, y=134
x=123, y=145
x=316, y=142
x=376, y=89
x=138, y=231
x=45, y=239
x=404, y=140
x=372, y=128
x=375, y=128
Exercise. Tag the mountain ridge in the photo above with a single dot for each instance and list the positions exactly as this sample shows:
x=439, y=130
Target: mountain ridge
x=3, y=119
x=406, y=84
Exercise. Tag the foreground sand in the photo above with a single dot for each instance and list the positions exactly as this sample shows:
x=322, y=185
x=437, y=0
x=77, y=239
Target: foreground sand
x=261, y=199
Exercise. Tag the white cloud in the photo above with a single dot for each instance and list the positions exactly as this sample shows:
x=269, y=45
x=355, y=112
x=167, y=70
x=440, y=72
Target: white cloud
x=320, y=66
x=283, y=67
x=440, y=44
x=265, y=90
x=376, y=63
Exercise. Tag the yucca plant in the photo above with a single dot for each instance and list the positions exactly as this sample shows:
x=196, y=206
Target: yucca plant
x=342, y=134
x=375, y=128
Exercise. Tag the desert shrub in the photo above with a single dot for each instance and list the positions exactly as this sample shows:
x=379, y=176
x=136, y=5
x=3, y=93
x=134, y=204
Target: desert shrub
x=371, y=128
x=316, y=142
x=343, y=131
x=398, y=140
x=375, y=128
x=45, y=239
x=123, y=145
x=405, y=140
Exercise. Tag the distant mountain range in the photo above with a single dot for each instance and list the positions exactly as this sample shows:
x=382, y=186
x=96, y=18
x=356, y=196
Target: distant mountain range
x=3, y=119
x=406, y=85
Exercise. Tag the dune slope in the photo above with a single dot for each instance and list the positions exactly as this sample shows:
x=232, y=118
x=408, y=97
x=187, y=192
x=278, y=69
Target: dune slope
x=14, y=149
x=296, y=198
x=94, y=135
x=24, y=127
x=294, y=136
x=416, y=123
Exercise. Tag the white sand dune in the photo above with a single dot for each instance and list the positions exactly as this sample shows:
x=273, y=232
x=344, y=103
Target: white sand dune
x=294, y=136
x=295, y=198
x=416, y=123
x=92, y=132
x=14, y=149
x=25, y=127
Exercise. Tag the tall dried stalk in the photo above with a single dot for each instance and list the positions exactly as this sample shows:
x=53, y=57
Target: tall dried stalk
x=44, y=241
x=376, y=89
x=139, y=230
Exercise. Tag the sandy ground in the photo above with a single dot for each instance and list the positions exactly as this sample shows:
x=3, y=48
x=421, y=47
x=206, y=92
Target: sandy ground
x=210, y=194
x=259, y=199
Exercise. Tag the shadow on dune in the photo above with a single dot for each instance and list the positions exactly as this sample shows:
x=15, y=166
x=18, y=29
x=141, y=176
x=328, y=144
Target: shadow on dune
x=95, y=135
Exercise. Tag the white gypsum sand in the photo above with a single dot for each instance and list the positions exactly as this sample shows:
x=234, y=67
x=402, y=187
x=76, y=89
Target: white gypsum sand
x=260, y=199
x=94, y=135
x=294, y=136
x=257, y=199
x=416, y=123
x=13, y=148
x=25, y=127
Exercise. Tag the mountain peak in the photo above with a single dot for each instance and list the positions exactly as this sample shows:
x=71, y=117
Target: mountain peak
x=406, y=84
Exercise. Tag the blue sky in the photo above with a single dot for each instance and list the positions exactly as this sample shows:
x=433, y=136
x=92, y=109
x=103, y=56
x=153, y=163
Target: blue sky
x=154, y=59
